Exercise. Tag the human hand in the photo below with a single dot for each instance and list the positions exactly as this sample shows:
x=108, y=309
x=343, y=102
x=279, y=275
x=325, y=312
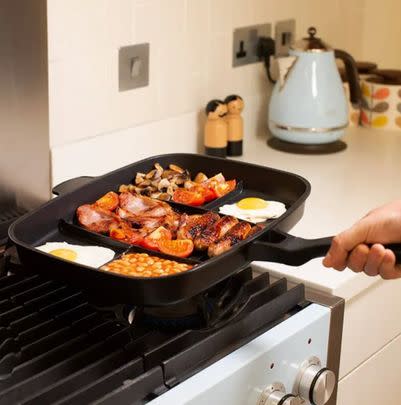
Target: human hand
x=350, y=248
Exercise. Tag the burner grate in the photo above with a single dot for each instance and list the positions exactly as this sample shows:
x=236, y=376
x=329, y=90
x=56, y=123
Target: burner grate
x=10, y=214
x=55, y=347
x=52, y=341
x=7, y=217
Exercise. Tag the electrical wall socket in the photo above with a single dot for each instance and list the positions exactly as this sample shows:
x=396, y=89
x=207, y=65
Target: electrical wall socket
x=246, y=41
x=133, y=64
x=284, y=36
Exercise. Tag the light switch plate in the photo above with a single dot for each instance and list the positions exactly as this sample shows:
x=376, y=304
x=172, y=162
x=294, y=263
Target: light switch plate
x=284, y=36
x=133, y=64
x=245, y=43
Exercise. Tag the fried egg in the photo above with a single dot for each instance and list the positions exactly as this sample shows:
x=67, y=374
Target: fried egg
x=253, y=209
x=94, y=256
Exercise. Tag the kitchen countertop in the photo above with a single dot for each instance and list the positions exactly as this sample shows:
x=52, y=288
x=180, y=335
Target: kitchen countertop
x=345, y=186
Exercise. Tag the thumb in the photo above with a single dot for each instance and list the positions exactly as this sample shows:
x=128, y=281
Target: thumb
x=344, y=242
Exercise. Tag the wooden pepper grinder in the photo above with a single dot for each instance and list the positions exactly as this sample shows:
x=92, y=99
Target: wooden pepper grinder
x=235, y=124
x=215, y=136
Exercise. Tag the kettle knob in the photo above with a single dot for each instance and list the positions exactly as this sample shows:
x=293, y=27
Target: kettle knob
x=312, y=32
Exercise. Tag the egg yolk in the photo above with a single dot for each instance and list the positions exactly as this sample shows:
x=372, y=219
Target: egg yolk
x=252, y=203
x=66, y=254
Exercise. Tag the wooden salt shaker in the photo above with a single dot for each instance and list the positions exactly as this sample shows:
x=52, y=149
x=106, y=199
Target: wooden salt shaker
x=215, y=136
x=235, y=124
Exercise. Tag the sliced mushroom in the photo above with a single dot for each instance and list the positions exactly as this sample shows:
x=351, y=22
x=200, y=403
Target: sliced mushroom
x=158, y=167
x=189, y=184
x=138, y=190
x=200, y=177
x=155, y=183
x=164, y=197
x=147, y=191
x=139, y=177
x=170, y=190
x=145, y=183
x=156, y=195
x=176, y=168
x=151, y=174
x=159, y=172
x=168, y=174
x=123, y=188
x=163, y=184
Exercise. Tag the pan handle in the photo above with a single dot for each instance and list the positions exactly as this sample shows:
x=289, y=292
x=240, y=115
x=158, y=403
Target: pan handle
x=280, y=247
x=71, y=185
x=283, y=248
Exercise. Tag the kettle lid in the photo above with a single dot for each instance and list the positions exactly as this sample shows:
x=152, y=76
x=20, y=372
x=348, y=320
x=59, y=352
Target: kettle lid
x=311, y=43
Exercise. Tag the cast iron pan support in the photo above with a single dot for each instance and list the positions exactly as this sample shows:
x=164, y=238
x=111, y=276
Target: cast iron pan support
x=280, y=247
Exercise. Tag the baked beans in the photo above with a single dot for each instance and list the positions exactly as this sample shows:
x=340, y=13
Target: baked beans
x=144, y=265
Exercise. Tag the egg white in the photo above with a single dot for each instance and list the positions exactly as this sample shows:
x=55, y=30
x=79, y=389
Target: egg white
x=274, y=209
x=93, y=256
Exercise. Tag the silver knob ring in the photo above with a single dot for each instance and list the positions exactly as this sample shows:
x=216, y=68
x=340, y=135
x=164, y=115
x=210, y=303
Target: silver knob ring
x=285, y=397
x=312, y=386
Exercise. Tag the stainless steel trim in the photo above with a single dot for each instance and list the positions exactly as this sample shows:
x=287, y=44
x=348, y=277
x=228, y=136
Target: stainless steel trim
x=336, y=305
x=24, y=111
x=313, y=130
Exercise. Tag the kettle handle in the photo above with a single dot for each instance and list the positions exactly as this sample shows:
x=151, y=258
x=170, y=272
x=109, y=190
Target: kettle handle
x=352, y=75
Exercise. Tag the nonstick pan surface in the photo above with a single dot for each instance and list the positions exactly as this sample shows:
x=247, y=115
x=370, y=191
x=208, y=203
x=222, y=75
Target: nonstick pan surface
x=55, y=221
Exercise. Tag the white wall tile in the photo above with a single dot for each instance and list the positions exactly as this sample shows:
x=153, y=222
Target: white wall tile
x=243, y=13
x=97, y=155
x=221, y=16
x=104, y=153
x=381, y=33
x=146, y=18
x=76, y=27
x=78, y=97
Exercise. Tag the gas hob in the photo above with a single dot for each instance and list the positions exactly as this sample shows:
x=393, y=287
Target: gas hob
x=247, y=341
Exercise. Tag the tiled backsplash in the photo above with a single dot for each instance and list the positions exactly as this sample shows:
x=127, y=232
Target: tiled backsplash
x=97, y=155
x=99, y=128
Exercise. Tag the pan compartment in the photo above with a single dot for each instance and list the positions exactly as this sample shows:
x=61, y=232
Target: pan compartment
x=75, y=232
x=197, y=256
x=193, y=172
x=65, y=233
x=218, y=202
x=140, y=249
x=246, y=193
x=77, y=235
x=74, y=228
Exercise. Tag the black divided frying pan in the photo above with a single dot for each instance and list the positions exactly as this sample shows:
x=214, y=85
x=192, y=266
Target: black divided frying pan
x=55, y=221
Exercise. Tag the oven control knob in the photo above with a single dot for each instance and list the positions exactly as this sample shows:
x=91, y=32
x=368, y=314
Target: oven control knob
x=275, y=395
x=316, y=383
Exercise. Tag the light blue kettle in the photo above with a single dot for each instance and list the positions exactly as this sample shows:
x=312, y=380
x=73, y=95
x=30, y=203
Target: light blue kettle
x=308, y=103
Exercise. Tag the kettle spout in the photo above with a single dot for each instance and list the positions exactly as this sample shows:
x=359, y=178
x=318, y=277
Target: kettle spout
x=285, y=64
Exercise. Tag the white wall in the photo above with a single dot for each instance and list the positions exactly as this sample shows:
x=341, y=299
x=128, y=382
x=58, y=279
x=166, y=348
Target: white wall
x=190, y=58
x=382, y=33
